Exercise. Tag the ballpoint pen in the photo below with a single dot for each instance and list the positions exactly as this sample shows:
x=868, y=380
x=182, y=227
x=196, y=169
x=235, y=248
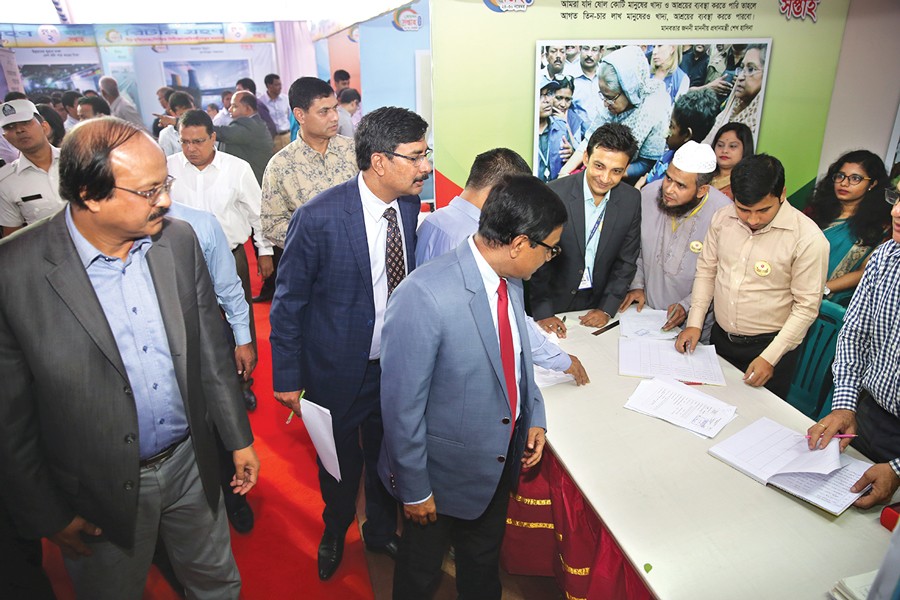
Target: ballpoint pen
x=291, y=416
x=840, y=436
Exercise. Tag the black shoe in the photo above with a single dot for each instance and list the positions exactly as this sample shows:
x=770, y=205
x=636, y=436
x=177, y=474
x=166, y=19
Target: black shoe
x=331, y=550
x=249, y=400
x=263, y=297
x=389, y=549
x=240, y=515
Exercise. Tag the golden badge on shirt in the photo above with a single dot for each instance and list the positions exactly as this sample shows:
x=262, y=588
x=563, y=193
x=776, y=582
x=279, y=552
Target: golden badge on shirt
x=762, y=268
x=696, y=246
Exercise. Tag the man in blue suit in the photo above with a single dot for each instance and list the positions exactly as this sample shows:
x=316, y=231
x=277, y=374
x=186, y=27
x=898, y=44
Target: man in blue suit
x=461, y=411
x=345, y=252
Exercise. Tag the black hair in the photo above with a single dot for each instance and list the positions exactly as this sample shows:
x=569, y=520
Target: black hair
x=196, y=118
x=743, y=133
x=756, y=177
x=349, y=95
x=14, y=96
x=42, y=99
x=70, y=98
x=180, y=100
x=85, y=168
x=385, y=128
x=270, y=78
x=520, y=205
x=697, y=110
x=100, y=106
x=57, y=128
x=615, y=137
x=873, y=215
x=341, y=75
x=248, y=84
x=491, y=166
x=306, y=90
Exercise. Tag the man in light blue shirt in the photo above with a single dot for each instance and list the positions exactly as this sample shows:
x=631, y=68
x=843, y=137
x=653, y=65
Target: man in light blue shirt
x=447, y=228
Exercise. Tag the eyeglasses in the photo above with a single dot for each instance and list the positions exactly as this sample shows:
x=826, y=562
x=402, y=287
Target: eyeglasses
x=749, y=71
x=153, y=194
x=554, y=250
x=415, y=160
x=185, y=142
x=854, y=178
x=891, y=197
x=608, y=100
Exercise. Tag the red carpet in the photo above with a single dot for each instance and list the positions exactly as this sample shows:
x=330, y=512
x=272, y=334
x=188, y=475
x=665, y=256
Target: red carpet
x=278, y=558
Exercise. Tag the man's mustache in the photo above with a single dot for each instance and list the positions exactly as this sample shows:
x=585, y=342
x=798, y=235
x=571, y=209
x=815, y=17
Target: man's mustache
x=161, y=212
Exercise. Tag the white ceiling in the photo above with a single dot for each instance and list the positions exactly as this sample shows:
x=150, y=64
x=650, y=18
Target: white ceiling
x=200, y=11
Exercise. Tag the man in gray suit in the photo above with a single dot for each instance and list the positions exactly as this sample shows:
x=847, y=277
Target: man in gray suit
x=601, y=246
x=115, y=373
x=246, y=136
x=460, y=408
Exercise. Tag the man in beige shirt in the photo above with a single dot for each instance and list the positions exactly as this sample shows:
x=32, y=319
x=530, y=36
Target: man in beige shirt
x=317, y=160
x=763, y=266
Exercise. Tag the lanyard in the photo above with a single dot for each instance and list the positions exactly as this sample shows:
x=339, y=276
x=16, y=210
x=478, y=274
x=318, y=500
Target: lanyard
x=675, y=225
x=597, y=225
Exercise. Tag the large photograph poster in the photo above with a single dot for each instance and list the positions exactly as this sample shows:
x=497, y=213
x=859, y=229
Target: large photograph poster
x=583, y=84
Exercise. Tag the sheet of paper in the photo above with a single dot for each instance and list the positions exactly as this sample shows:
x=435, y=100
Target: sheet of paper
x=318, y=423
x=640, y=357
x=646, y=324
x=545, y=378
x=829, y=492
x=681, y=405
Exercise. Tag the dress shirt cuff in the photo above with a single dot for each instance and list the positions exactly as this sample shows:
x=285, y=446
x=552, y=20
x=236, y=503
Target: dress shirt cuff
x=696, y=318
x=241, y=334
x=895, y=465
x=423, y=501
x=774, y=351
x=846, y=397
x=266, y=251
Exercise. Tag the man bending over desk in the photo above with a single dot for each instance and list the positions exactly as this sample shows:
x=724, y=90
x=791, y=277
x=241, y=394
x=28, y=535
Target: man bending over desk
x=866, y=378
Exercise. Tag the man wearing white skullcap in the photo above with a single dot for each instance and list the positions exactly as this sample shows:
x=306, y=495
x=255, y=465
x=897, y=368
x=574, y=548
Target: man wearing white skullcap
x=675, y=214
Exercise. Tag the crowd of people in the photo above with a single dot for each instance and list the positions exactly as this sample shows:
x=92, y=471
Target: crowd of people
x=415, y=336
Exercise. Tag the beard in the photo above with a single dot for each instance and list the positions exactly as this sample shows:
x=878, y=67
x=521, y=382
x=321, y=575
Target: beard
x=675, y=211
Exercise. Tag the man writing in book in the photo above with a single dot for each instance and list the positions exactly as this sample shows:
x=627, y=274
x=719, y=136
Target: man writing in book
x=866, y=380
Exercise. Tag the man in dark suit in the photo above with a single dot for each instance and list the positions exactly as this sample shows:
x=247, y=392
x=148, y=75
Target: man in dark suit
x=246, y=136
x=115, y=373
x=345, y=251
x=600, y=247
x=461, y=410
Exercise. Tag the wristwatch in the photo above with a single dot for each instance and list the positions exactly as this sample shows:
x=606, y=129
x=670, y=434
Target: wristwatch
x=827, y=291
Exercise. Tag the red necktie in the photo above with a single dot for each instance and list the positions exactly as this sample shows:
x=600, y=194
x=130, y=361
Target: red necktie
x=507, y=355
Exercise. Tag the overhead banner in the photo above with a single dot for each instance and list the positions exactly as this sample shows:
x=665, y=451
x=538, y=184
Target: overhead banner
x=180, y=34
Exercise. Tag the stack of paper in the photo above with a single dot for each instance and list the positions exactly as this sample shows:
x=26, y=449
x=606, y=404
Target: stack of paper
x=639, y=357
x=773, y=454
x=646, y=324
x=681, y=405
x=853, y=588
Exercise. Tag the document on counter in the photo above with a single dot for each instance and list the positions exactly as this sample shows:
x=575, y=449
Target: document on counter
x=772, y=454
x=545, y=378
x=681, y=405
x=640, y=357
x=646, y=324
x=318, y=423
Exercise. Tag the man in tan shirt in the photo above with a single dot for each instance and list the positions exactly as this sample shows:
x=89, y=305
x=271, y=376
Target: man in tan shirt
x=317, y=160
x=763, y=266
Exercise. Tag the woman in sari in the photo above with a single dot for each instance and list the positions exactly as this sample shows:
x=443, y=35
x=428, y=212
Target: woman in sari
x=848, y=205
x=631, y=97
x=731, y=143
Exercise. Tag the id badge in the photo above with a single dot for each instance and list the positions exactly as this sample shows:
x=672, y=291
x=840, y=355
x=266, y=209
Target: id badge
x=585, y=280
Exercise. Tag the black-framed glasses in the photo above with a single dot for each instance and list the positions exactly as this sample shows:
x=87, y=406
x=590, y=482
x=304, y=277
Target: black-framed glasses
x=891, y=197
x=415, y=160
x=854, y=179
x=608, y=100
x=554, y=250
x=152, y=195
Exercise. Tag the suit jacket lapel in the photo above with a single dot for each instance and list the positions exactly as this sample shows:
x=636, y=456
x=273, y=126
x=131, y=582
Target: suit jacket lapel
x=481, y=312
x=70, y=280
x=162, y=269
x=516, y=293
x=575, y=206
x=609, y=223
x=356, y=234
x=409, y=213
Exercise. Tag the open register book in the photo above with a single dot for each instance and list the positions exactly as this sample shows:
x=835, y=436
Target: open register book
x=775, y=455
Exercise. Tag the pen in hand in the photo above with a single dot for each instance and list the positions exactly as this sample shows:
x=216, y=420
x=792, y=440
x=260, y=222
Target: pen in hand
x=840, y=436
x=291, y=416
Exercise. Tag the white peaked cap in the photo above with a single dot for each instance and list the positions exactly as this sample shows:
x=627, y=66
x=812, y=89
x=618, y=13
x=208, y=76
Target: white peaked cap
x=695, y=158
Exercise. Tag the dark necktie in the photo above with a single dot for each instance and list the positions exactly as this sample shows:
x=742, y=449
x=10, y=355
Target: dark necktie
x=393, y=252
x=507, y=355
